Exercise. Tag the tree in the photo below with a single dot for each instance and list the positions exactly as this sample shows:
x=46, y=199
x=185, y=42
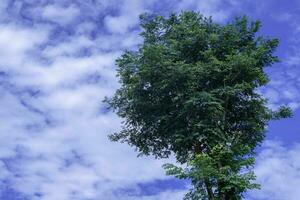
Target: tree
x=191, y=90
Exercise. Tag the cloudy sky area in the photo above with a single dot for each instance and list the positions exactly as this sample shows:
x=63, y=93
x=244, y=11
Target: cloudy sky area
x=57, y=65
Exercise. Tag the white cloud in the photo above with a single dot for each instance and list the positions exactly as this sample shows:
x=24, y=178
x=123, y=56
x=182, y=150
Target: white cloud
x=207, y=8
x=17, y=42
x=278, y=171
x=283, y=87
x=128, y=17
x=71, y=47
x=59, y=14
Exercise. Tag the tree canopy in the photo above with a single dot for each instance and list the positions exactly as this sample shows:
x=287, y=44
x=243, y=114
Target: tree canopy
x=191, y=90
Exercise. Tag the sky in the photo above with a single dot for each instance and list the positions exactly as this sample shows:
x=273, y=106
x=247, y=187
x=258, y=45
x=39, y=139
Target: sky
x=56, y=66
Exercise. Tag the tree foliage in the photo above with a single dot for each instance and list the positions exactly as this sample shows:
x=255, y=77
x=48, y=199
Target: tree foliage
x=225, y=169
x=191, y=90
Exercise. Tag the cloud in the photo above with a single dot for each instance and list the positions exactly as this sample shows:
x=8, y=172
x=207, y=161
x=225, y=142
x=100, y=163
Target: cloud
x=283, y=87
x=16, y=43
x=278, y=171
x=208, y=8
x=59, y=14
x=127, y=18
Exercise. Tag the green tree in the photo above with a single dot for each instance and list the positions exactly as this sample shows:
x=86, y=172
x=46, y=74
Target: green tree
x=191, y=90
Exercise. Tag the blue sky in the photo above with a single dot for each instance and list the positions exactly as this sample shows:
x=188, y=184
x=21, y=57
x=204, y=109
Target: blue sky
x=56, y=66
